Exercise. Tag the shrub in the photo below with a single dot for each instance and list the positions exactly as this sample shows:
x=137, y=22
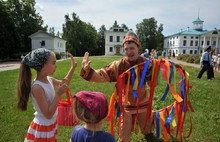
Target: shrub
x=58, y=56
x=189, y=58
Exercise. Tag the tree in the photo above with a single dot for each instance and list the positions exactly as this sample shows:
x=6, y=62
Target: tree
x=115, y=25
x=24, y=21
x=8, y=37
x=101, y=41
x=150, y=34
x=80, y=36
x=52, y=31
x=124, y=26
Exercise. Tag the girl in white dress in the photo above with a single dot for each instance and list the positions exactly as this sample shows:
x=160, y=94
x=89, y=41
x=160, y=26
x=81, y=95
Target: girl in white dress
x=44, y=98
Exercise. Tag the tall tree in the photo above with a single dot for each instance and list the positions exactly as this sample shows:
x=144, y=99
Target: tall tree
x=25, y=20
x=80, y=36
x=149, y=33
x=115, y=25
x=52, y=31
x=124, y=26
x=8, y=37
x=101, y=41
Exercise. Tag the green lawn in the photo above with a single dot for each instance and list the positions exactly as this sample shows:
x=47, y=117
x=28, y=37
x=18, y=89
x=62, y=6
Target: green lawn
x=204, y=96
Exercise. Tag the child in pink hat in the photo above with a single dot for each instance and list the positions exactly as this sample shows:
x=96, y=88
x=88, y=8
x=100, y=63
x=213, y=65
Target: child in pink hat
x=91, y=108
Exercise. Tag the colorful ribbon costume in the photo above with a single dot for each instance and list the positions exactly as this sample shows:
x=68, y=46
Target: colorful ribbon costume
x=165, y=118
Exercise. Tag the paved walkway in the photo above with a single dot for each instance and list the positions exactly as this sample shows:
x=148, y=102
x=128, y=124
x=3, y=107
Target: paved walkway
x=185, y=63
x=4, y=66
x=9, y=66
x=14, y=65
x=188, y=64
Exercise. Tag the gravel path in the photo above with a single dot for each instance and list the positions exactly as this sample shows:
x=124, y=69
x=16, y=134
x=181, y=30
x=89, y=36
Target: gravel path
x=14, y=65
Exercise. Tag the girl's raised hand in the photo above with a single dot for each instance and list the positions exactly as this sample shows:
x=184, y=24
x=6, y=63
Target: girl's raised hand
x=86, y=62
x=74, y=63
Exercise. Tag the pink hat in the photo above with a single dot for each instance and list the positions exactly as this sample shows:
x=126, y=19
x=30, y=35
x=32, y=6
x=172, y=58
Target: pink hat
x=95, y=102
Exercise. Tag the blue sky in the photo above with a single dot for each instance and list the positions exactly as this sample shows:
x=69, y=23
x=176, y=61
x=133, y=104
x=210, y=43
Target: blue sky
x=173, y=14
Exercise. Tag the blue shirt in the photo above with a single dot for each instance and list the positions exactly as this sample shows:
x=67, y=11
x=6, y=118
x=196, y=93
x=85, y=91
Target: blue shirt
x=80, y=134
x=206, y=56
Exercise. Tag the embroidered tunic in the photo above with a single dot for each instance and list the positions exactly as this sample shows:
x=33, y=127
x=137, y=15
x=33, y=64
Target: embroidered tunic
x=111, y=72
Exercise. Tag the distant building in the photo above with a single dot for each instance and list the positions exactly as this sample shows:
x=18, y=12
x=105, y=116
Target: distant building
x=113, y=41
x=192, y=41
x=42, y=39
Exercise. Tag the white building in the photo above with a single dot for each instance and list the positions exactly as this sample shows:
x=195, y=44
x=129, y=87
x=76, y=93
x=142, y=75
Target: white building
x=113, y=41
x=42, y=39
x=193, y=41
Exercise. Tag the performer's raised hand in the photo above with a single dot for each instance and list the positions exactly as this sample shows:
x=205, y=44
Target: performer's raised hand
x=86, y=62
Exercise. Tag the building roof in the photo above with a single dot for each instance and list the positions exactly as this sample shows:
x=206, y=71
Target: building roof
x=40, y=31
x=198, y=20
x=190, y=32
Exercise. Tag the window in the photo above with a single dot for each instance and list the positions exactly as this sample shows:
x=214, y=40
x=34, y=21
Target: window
x=197, y=37
x=191, y=52
x=118, y=38
x=215, y=32
x=115, y=30
x=42, y=43
x=214, y=43
x=184, y=43
x=191, y=37
x=196, y=43
x=111, y=38
x=110, y=49
x=202, y=43
x=195, y=51
x=121, y=30
x=208, y=42
x=191, y=43
x=184, y=37
x=171, y=43
x=184, y=51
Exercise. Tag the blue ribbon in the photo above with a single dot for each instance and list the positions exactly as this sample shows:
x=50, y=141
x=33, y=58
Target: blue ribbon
x=183, y=93
x=170, y=79
x=133, y=77
x=118, y=110
x=144, y=72
x=157, y=124
x=135, y=94
x=169, y=118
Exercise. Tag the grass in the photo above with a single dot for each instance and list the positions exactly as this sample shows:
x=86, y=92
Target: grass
x=204, y=97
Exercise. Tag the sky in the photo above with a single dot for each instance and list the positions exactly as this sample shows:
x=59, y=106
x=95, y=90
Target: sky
x=173, y=14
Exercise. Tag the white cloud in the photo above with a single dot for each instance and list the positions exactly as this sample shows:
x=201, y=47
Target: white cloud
x=173, y=14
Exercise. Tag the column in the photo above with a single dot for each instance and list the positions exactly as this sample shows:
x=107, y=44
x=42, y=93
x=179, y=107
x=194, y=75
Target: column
x=204, y=42
x=217, y=47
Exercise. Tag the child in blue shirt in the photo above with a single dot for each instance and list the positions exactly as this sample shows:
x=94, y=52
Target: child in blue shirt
x=92, y=108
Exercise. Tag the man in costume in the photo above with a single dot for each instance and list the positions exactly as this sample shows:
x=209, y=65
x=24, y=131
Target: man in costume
x=110, y=73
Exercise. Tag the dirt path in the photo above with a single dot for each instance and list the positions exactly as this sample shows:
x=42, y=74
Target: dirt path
x=14, y=65
x=9, y=66
x=185, y=63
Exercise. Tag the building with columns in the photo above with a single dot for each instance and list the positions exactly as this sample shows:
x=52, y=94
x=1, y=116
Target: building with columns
x=193, y=41
x=113, y=41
